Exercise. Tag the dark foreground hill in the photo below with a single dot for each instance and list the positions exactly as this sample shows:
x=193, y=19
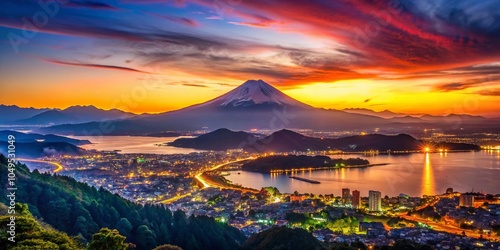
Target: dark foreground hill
x=78, y=209
x=283, y=238
x=31, y=234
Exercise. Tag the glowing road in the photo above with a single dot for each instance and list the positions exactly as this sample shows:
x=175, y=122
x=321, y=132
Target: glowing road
x=447, y=227
x=206, y=183
x=59, y=167
x=450, y=228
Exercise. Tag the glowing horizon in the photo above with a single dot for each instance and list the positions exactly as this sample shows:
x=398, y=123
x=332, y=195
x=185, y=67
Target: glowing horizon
x=412, y=57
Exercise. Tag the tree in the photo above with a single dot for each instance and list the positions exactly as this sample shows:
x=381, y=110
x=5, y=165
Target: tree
x=59, y=215
x=81, y=226
x=107, y=239
x=146, y=239
x=124, y=227
x=134, y=218
x=167, y=247
x=31, y=235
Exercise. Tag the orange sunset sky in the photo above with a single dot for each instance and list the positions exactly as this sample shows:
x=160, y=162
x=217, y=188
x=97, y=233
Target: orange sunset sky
x=434, y=57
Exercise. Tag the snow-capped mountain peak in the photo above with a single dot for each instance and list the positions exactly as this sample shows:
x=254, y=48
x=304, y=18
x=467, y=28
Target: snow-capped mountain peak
x=252, y=93
x=257, y=92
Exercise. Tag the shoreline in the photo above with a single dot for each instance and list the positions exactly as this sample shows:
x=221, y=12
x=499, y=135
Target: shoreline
x=217, y=177
x=315, y=169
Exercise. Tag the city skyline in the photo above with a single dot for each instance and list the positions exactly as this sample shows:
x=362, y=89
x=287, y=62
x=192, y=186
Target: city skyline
x=410, y=57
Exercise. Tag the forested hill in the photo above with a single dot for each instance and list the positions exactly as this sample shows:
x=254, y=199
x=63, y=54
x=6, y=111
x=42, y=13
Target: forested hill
x=78, y=209
x=290, y=162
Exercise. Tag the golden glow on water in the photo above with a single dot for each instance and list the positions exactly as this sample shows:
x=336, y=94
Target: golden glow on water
x=342, y=173
x=413, y=174
x=428, y=184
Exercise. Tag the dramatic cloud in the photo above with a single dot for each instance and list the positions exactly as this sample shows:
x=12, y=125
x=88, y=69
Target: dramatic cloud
x=99, y=66
x=467, y=84
x=400, y=37
x=409, y=36
x=180, y=20
x=90, y=4
x=438, y=47
x=195, y=85
x=489, y=92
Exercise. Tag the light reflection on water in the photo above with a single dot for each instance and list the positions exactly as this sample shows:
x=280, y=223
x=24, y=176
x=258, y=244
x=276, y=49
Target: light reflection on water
x=428, y=185
x=133, y=144
x=413, y=174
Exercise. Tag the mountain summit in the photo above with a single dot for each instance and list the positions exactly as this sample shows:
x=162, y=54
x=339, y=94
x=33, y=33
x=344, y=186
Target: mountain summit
x=254, y=94
x=253, y=104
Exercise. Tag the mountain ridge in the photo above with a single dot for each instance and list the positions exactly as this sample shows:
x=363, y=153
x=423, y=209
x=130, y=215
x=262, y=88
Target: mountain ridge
x=287, y=141
x=74, y=114
x=255, y=104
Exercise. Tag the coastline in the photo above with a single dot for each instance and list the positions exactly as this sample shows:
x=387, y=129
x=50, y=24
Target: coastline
x=217, y=179
x=318, y=168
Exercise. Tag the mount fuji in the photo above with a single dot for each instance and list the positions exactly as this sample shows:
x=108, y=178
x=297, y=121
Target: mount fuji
x=253, y=94
x=254, y=104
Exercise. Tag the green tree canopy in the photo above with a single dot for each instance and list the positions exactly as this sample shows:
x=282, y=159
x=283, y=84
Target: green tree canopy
x=167, y=247
x=30, y=234
x=107, y=239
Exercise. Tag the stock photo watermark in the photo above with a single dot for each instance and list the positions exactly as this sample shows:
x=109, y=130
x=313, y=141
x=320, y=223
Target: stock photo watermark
x=32, y=24
x=11, y=187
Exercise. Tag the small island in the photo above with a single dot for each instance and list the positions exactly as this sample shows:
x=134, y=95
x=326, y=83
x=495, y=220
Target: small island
x=285, y=163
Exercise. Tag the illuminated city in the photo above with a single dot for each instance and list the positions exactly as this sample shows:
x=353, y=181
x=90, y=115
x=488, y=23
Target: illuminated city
x=250, y=124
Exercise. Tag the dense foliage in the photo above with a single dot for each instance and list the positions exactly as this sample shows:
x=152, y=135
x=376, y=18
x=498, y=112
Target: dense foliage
x=78, y=209
x=323, y=220
x=107, y=239
x=29, y=234
x=283, y=238
x=289, y=162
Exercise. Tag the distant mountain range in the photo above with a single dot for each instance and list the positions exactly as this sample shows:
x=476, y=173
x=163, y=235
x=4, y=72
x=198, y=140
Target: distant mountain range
x=383, y=114
x=406, y=118
x=31, y=145
x=253, y=105
x=42, y=149
x=10, y=113
x=33, y=137
x=288, y=141
x=13, y=115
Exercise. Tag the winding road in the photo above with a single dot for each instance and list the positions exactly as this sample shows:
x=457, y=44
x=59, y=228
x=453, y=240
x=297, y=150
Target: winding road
x=59, y=167
x=207, y=183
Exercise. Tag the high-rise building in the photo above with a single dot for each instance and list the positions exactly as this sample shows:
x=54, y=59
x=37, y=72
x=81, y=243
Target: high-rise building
x=466, y=200
x=356, y=199
x=374, y=201
x=346, y=196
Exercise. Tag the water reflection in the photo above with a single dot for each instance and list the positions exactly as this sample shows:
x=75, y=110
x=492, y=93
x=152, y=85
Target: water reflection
x=342, y=173
x=414, y=174
x=428, y=184
x=134, y=144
